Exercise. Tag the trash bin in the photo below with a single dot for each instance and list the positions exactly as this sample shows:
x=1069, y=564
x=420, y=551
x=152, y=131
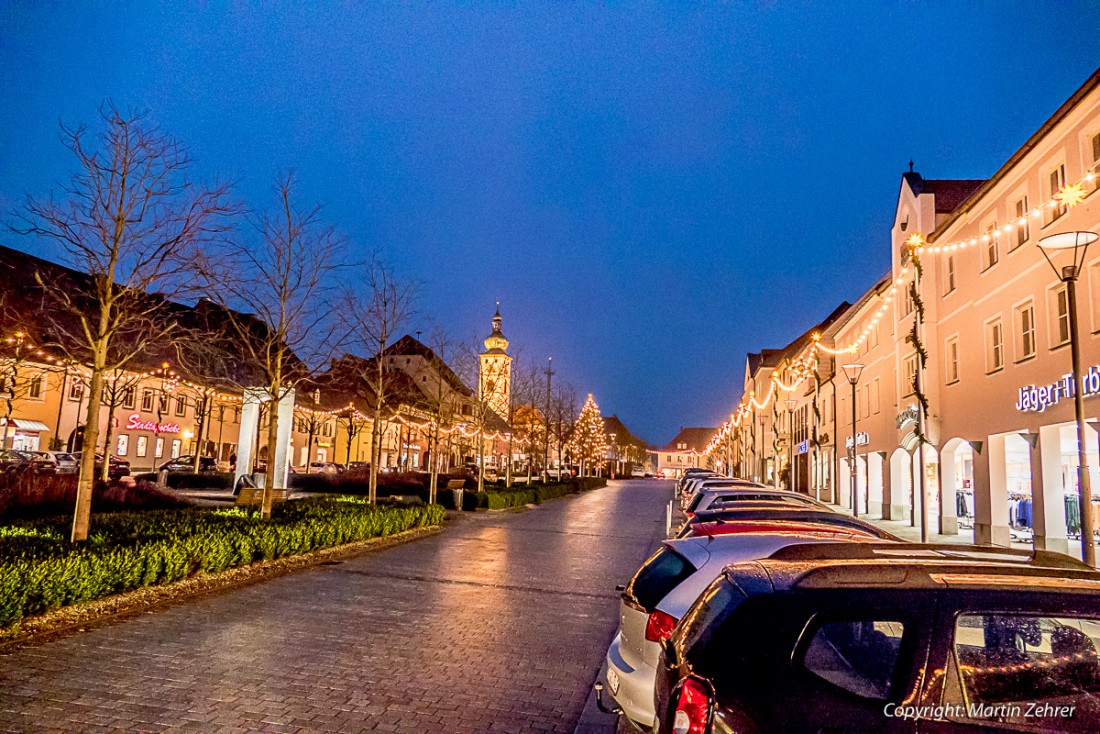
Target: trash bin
x=458, y=498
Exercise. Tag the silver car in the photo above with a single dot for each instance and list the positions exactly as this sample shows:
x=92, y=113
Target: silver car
x=659, y=594
x=66, y=463
x=698, y=485
x=718, y=496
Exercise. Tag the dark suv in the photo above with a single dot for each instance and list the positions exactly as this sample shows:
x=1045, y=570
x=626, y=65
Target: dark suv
x=870, y=637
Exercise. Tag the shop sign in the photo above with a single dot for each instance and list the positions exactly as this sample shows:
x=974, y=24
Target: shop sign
x=909, y=415
x=862, y=439
x=135, y=423
x=1036, y=398
x=802, y=447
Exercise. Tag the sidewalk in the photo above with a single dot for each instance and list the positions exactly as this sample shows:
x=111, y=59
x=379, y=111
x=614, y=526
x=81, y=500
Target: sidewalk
x=904, y=530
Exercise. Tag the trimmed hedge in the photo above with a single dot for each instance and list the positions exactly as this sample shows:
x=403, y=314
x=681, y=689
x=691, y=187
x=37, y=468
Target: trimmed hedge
x=32, y=497
x=40, y=570
x=190, y=480
x=518, y=497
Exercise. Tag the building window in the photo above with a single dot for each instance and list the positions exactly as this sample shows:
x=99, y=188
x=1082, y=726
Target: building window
x=909, y=374
x=906, y=301
x=34, y=388
x=123, y=444
x=949, y=276
x=147, y=401
x=1023, y=230
x=1096, y=148
x=994, y=346
x=176, y=443
x=76, y=390
x=873, y=392
x=952, y=362
x=162, y=404
x=1025, y=329
x=128, y=398
x=158, y=450
x=990, y=253
x=1059, y=312
x=181, y=406
x=1057, y=180
x=1094, y=295
x=142, y=446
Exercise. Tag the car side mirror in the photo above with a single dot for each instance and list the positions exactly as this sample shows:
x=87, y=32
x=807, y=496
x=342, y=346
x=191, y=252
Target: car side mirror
x=620, y=587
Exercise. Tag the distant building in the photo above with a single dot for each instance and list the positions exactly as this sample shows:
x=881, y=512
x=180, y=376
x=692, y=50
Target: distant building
x=683, y=452
x=624, y=450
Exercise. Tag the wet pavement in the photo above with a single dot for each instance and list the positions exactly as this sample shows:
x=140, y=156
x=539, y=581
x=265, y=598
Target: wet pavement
x=499, y=624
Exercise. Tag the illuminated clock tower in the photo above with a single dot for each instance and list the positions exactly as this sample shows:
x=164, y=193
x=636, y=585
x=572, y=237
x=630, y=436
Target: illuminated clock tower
x=495, y=376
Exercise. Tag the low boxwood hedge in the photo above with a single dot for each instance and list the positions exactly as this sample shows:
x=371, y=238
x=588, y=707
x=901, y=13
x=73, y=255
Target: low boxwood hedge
x=40, y=570
x=502, y=499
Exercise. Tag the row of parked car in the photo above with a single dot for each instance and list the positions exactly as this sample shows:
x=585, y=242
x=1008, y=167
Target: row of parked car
x=770, y=612
x=38, y=463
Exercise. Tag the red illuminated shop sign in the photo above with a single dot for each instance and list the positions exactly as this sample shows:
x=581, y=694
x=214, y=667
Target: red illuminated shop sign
x=137, y=424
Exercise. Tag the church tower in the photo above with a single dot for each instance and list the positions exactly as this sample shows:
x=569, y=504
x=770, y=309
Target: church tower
x=495, y=376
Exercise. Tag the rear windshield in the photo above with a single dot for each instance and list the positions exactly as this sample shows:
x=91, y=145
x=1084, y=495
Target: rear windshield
x=706, y=615
x=723, y=500
x=659, y=575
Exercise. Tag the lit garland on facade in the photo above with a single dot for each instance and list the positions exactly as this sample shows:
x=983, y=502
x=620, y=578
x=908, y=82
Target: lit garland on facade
x=1068, y=196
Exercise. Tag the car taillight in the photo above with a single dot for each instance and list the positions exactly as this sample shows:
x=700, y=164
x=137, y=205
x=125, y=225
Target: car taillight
x=658, y=627
x=692, y=708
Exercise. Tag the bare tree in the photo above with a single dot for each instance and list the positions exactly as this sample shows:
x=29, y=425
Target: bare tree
x=277, y=298
x=132, y=221
x=442, y=403
x=374, y=313
x=118, y=390
x=528, y=421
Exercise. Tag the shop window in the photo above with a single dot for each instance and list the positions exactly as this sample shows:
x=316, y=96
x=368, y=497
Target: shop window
x=181, y=405
x=76, y=390
x=1023, y=230
x=34, y=388
x=909, y=374
x=1059, y=316
x=1056, y=180
x=859, y=656
x=147, y=401
x=1025, y=331
x=1019, y=671
x=949, y=275
x=176, y=443
x=951, y=350
x=142, y=446
x=123, y=445
x=994, y=346
x=990, y=252
x=158, y=450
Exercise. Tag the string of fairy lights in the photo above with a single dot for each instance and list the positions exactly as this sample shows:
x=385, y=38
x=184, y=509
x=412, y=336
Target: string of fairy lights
x=173, y=382
x=1067, y=197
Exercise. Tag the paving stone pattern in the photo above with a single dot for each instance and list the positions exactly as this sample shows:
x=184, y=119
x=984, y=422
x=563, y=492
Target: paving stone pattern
x=498, y=624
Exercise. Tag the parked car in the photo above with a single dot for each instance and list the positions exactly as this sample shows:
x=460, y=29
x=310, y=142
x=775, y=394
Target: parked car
x=66, y=463
x=720, y=497
x=13, y=461
x=116, y=467
x=697, y=484
x=857, y=636
x=637, y=472
x=187, y=464
x=323, y=467
x=716, y=522
x=559, y=473
x=663, y=589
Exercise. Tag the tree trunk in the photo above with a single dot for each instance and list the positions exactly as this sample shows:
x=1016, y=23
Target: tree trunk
x=375, y=453
x=433, y=483
x=272, y=442
x=86, y=479
x=480, y=462
x=105, y=470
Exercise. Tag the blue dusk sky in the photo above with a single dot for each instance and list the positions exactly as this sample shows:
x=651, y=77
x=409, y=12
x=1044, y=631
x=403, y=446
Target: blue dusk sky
x=651, y=190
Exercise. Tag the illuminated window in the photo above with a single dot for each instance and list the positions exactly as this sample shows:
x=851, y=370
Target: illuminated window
x=1025, y=330
x=1023, y=232
x=952, y=361
x=994, y=346
x=76, y=390
x=1057, y=179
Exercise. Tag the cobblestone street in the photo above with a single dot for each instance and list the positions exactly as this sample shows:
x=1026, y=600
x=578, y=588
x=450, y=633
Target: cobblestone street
x=497, y=624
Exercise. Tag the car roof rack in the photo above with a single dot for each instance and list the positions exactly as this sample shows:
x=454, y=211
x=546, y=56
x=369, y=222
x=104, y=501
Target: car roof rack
x=917, y=552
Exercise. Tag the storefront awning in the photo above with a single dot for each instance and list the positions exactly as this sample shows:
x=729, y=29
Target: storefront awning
x=25, y=425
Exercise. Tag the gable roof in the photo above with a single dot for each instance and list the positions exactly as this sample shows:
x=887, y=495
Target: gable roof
x=948, y=193
x=696, y=439
x=613, y=425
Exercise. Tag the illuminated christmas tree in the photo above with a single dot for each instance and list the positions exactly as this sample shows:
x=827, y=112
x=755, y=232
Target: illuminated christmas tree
x=589, y=440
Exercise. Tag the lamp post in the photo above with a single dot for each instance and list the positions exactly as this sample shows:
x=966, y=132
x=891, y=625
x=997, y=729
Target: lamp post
x=1069, y=249
x=546, y=454
x=794, y=456
x=852, y=371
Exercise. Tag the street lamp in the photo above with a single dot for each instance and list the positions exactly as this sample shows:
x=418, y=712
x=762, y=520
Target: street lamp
x=790, y=430
x=852, y=371
x=1068, y=248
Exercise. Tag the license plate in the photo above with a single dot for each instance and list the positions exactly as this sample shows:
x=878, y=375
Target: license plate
x=613, y=681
